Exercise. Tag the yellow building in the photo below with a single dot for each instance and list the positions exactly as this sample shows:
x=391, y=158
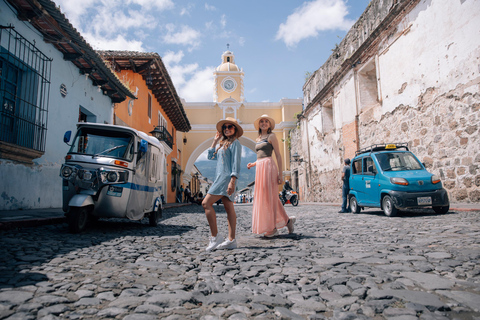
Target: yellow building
x=229, y=101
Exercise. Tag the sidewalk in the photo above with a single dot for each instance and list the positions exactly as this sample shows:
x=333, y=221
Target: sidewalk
x=36, y=217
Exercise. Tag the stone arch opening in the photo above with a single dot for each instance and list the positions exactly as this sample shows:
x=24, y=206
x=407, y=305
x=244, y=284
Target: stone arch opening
x=246, y=142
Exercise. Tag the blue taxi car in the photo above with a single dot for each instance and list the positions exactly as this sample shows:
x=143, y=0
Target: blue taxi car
x=390, y=177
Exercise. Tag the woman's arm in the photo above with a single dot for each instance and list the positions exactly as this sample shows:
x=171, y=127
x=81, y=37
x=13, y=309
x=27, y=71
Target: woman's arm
x=251, y=164
x=212, y=155
x=276, y=148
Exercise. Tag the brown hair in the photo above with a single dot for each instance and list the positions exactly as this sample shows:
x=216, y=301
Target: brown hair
x=227, y=141
x=269, y=130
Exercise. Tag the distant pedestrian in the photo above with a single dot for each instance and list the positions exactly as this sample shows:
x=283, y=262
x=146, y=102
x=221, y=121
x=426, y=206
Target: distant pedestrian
x=346, y=186
x=187, y=194
x=228, y=156
x=268, y=212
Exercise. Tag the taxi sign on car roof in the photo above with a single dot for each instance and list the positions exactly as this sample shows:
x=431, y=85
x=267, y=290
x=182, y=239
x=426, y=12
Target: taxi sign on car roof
x=384, y=146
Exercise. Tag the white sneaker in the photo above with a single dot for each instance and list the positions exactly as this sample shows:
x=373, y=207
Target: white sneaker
x=227, y=244
x=271, y=234
x=290, y=223
x=214, y=242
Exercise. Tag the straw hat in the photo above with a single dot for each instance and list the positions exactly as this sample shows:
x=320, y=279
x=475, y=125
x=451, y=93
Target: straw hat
x=265, y=116
x=231, y=121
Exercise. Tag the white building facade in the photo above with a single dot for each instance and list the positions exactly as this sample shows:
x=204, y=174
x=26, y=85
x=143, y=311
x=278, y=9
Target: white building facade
x=44, y=94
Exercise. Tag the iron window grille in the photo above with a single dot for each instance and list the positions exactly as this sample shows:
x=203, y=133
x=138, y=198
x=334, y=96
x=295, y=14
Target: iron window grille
x=24, y=91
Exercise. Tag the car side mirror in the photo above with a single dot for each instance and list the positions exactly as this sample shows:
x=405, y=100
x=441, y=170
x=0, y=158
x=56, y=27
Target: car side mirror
x=67, y=136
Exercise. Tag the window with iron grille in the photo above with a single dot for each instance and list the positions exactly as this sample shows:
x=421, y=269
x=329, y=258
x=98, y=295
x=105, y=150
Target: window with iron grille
x=24, y=92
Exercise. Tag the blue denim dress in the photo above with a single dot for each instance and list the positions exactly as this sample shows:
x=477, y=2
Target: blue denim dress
x=228, y=165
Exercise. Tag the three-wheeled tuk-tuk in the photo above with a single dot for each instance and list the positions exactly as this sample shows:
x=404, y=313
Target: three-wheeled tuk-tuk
x=112, y=172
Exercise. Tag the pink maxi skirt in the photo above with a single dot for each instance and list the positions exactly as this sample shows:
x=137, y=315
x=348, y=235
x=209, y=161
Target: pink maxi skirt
x=268, y=212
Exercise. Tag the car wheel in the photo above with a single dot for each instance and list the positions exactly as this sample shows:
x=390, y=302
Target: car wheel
x=441, y=210
x=154, y=217
x=77, y=219
x=354, y=205
x=388, y=207
x=294, y=201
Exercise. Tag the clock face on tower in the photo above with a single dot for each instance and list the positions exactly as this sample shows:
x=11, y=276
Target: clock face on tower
x=229, y=85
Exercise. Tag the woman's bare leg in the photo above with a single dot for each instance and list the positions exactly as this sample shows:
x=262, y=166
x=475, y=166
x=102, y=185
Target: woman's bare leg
x=231, y=217
x=207, y=204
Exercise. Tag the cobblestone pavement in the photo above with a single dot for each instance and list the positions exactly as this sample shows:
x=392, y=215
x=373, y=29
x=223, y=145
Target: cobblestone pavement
x=335, y=266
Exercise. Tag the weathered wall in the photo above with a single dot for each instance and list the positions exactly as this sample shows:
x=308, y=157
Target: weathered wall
x=39, y=185
x=415, y=69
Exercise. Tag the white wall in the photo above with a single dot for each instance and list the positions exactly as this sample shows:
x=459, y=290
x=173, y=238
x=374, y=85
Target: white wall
x=39, y=186
x=443, y=42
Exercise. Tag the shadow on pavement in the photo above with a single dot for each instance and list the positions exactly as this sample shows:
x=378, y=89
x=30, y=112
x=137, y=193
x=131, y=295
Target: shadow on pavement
x=23, y=249
x=405, y=213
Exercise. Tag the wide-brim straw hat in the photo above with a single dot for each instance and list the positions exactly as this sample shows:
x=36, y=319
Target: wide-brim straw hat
x=265, y=116
x=231, y=121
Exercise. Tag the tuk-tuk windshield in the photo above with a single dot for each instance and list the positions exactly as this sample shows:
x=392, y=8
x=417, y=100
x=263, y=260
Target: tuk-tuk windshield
x=103, y=143
x=398, y=161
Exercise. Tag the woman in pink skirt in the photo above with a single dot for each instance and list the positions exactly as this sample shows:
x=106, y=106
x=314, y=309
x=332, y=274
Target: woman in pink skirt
x=268, y=212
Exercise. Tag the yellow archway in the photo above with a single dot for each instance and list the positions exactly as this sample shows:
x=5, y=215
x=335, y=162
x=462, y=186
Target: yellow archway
x=229, y=101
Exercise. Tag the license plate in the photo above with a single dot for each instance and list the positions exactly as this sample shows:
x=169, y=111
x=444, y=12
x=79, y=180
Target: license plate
x=424, y=200
x=115, y=191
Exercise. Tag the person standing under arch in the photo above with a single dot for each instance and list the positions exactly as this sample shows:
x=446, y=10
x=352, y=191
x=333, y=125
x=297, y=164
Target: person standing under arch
x=228, y=156
x=268, y=212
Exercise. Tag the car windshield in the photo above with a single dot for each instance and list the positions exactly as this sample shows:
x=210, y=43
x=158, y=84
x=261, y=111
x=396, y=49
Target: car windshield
x=398, y=161
x=103, y=143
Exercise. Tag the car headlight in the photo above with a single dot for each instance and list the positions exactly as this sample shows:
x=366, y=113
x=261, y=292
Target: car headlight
x=112, y=176
x=400, y=181
x=435, y=179
x=66, y=172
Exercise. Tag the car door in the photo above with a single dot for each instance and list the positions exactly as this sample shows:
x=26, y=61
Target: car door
x=357, y=187
x=370, y=181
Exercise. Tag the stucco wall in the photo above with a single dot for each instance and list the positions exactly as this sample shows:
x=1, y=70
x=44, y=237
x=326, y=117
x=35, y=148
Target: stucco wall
x=428, y=76
x=39, y=185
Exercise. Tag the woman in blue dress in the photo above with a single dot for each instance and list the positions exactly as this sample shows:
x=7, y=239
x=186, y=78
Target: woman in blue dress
x=228, y=156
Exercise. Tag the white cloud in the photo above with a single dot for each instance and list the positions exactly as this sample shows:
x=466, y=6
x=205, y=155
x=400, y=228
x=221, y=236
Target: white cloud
x=199, y=87
x=153, y=4
x=311, y=18
x=191, y=82
x=171, y=57
x=210, y=7
x=118, y=43
x=203, y=156
x=186, y=36
x=223, y=21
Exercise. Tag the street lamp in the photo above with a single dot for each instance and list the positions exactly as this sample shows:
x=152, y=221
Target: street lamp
x=157, y=133
x=296, y=157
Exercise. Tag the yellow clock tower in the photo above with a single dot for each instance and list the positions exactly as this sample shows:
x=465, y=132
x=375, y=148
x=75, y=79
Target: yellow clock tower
x=228, y=81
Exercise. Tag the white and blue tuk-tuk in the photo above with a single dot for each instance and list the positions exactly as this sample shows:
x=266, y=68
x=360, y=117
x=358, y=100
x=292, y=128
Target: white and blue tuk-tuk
x=112, y=172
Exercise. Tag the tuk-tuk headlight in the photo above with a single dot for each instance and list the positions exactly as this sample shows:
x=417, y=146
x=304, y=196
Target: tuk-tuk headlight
x=66, y=172
x=435, y=179
x=400, y=181
x=112, y=176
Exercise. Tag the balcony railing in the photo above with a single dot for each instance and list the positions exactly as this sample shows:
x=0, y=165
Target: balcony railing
x=162, y=134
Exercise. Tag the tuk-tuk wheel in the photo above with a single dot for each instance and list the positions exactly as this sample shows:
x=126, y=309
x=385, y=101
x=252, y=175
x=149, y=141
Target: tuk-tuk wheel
x=77, y=219
x=154, y=217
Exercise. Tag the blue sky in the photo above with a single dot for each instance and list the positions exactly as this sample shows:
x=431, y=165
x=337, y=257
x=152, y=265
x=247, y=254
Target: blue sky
x=275, y=42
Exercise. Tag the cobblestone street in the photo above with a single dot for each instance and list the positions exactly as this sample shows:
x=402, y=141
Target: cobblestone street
x=335, y=266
